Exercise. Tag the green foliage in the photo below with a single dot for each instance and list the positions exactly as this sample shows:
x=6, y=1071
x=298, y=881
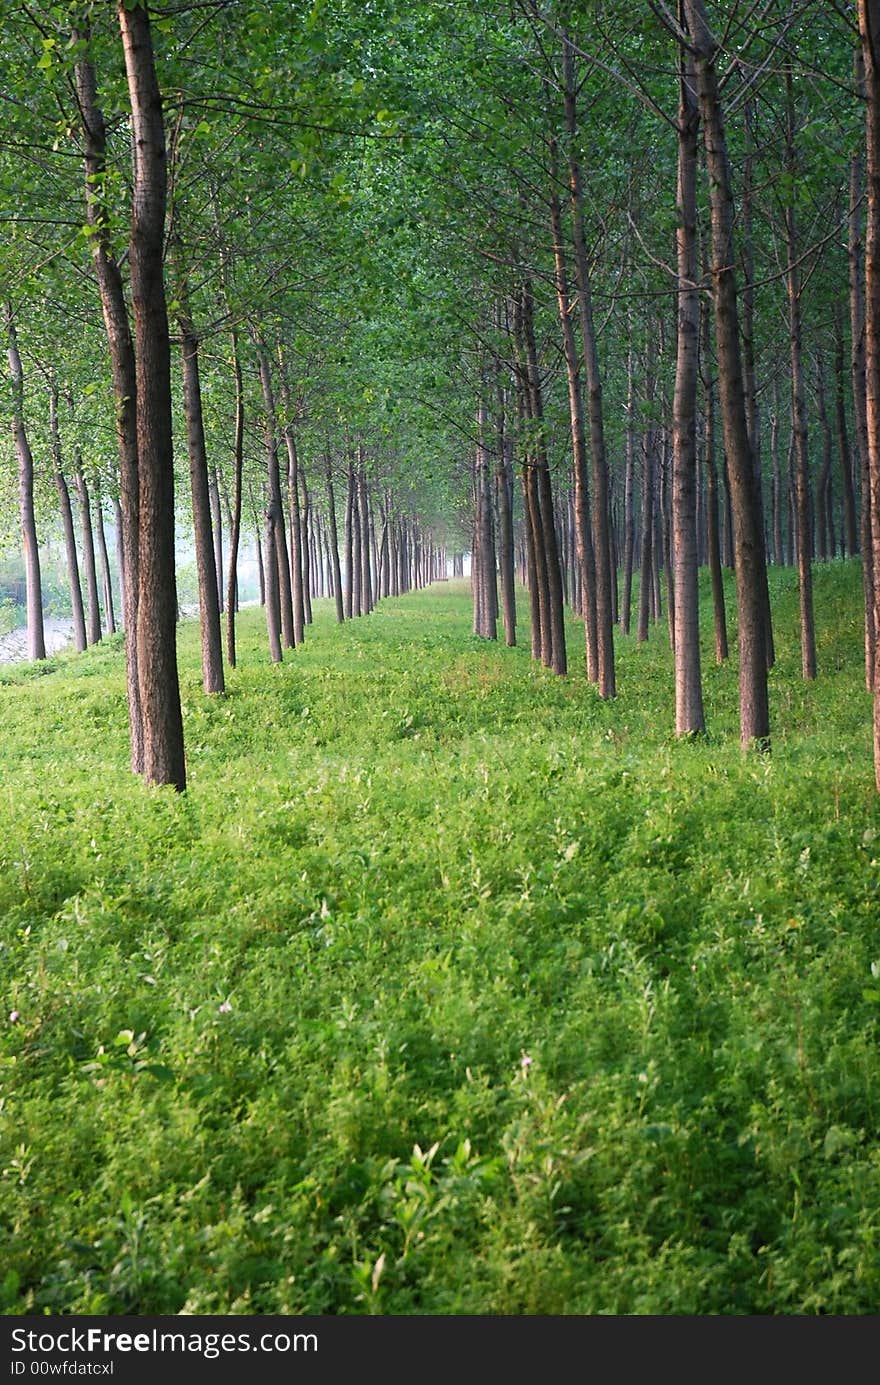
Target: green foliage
x=446, y=988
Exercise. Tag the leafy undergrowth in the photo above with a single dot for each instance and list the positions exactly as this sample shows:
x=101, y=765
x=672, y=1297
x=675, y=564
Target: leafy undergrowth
x=446, y=988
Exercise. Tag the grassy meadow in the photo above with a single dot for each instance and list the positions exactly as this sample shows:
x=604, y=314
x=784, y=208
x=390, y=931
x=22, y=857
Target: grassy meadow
x=446, y=988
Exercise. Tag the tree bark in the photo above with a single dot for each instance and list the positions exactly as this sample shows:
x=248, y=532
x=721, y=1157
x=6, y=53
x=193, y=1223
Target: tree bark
x=689, y=715
x=61, y=487
x=93, y=609
x=235, y=526
x=200, y=486
x=606, y=680
x=585, y=550
x=751, y=575
x=856, y=260
x=850, y=529
x=504, y=508
x=275, y=508
x=869, y=28
x=296, y=535
x=104, y=557
x=543, y=494
x=799, y=408
x=122, y=364
x=33, y=581
x=334, y=541
x=164, y=761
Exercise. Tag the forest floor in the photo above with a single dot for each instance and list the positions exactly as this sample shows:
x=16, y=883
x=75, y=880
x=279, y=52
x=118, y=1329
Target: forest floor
x=446, y=987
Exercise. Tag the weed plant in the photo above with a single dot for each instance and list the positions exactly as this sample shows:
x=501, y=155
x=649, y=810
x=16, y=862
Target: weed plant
x=447, y=987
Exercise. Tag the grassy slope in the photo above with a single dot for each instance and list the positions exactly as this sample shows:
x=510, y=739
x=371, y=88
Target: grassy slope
x=444, y=961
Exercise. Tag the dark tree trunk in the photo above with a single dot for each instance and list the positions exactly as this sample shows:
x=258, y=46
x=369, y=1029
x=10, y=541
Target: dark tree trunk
x=61, y=487
x=544, y=495
x=33, y=581
x=104, y=557
x=751, y=574
x=776, y=482
x=504, y=508
x=93, y=609
x=850, y=530
x=689, y=715
x=585, y=549
x=366, y=570
x=648, y=556
x=349, y=546
x=860, y=414
x=713, y=540
x=601, y=541
x=275, y=509
x=157, y=594
x=629, y=526
x=200, y=485
x=825, y=540
x=122, y=363
x=334, y=542
x=799, y=409
x=235, y=525
x=869, y=27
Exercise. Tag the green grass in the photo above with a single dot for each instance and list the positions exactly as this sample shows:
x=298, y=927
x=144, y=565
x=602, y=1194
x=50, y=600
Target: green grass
x=446, y=988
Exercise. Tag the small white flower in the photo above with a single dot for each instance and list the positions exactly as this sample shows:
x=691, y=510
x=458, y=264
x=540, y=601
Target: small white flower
x=225, y=1008
x=525, y=1062
x=14, y=1017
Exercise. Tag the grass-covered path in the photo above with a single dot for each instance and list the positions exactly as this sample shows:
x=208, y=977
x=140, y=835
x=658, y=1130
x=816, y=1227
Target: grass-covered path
x=446, y=988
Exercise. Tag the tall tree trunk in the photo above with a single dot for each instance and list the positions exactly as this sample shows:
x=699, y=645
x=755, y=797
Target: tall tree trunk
x=629, y=526
x=824, y=494
x=334, y=541
x=235, y=526
x=713, y=539
x=93, y=609
x=850, y=530
x=104, y=557
x=750, y=383
x=504, y=508
x=349, y=546
x=275, y=506
x=689, y=715
x=122, y=364
x=200, y=488
x=798, y=406
x=583, y=525
x=751, y=574
x=544, y=493
x=306, y=523
x=33, y=580
x=366, y=571
x=296, y=537
x=648, y=557
x=120, y=557
x=357, y=595
x=61, y=487
x=776, y=483
x=869, y=28
x=217, y=530
x=606, y=683
x=157, y=593
x=857, y=260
